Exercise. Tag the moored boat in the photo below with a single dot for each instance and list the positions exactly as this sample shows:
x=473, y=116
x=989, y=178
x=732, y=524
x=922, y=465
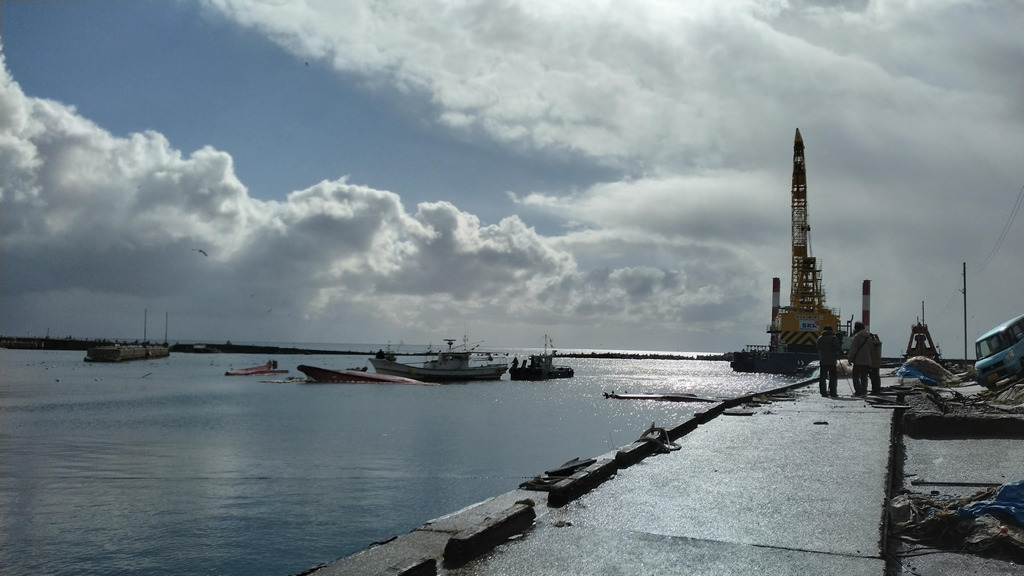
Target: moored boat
x=540, y=367
x=325, y=375
x=119, y=353
x=766, y=360
x=269, y=368
x=451, y=365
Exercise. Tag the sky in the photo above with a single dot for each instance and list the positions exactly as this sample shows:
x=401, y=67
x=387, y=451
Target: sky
x=614, y=174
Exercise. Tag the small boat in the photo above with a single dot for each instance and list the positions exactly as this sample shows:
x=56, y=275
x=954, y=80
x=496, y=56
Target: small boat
x=661, y=397
x=325, y=375
x=451, y=365
x=540, y=367
x=269, y=368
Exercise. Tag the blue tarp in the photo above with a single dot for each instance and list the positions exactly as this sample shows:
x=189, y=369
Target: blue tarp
x=1008, y=504
x=908, y=372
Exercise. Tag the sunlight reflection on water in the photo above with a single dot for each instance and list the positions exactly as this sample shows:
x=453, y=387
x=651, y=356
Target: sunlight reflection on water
x=169, y=467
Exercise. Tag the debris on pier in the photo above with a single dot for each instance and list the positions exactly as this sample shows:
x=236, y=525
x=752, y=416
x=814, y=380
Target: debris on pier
x=988, y=521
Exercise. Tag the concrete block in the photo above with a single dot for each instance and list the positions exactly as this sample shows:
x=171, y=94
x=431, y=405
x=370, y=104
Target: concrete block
x=633, y=453
x=474, y=541
x=682, y=429
x=413, y=554
x=582, y=482
x=482, y=512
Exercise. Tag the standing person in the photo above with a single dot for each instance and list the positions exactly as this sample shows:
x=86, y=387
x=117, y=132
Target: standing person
x=860, y=357
x=876, y=365
x=829, y=349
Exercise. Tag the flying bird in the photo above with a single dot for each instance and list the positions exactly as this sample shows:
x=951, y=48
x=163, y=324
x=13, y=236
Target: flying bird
x=203, y=252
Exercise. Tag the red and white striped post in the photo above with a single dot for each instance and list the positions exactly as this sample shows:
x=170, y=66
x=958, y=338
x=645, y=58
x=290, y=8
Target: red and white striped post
x=776, y=288
x=866, y=305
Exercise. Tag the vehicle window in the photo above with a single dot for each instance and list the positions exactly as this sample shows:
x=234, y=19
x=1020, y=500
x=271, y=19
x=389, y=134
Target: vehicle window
x=1018, y=331
x=993, y=344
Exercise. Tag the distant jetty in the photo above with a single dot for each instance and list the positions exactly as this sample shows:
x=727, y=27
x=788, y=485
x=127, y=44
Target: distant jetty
x=69, y=343
x=41, y=343
x=229, y=348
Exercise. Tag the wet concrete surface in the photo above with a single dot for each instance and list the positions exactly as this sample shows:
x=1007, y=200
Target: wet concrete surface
x=972, y=460
x=797, y=488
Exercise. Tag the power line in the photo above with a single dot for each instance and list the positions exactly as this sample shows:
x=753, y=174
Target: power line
x=959, y=283
x=1006, y=229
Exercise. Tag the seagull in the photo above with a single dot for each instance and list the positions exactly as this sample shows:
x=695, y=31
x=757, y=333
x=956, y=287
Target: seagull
x=203, y=252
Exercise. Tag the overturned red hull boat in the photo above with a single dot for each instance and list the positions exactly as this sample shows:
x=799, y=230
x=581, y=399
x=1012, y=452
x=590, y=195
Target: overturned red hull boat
x=662, y=397
x=269, y=368
x=352, y=376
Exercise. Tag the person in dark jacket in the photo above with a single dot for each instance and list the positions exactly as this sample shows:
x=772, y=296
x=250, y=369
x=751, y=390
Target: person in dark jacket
x=829, y=349
x=876, y=365
x=860, y=357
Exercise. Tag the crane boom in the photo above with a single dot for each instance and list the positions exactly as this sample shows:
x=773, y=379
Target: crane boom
x=798, y=326
x=806, y=293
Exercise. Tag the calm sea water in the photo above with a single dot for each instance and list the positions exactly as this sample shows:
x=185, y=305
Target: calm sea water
x=170, y=467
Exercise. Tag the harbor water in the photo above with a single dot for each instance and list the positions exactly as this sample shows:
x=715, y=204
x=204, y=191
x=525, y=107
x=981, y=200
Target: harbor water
x=169, y=467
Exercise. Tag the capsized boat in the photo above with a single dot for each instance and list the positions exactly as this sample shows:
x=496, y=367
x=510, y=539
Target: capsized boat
x=325, y=375
x=269, y=368
x=661, y=397
x=451, y=365
x=540, y=366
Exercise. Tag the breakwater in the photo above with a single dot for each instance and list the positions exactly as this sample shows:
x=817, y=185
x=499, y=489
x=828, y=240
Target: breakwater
x=69, y=343
x=229, y=348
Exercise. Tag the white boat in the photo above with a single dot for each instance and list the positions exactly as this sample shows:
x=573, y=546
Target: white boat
x=451, y=365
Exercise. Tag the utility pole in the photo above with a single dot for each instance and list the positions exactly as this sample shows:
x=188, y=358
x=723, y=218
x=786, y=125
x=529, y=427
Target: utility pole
x=166, y=314
x=145, y=313
x=965, y=312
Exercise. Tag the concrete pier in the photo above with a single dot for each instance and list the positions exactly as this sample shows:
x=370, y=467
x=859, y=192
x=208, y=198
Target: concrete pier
x=795, y=484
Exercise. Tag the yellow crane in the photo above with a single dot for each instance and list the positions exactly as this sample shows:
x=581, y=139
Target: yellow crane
x=796, y=327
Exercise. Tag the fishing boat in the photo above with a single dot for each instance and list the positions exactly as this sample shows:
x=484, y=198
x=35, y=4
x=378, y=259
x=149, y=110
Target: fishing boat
x=452, y=365
x=269, y=368
x=540, y=366
x=325, y=375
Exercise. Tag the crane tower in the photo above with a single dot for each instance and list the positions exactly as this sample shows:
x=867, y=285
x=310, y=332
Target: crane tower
x=797, y=326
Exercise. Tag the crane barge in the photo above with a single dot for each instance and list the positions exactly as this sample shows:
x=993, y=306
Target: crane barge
x=794, y=329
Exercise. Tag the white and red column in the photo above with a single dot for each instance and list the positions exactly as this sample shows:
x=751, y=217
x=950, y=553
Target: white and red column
x=776, y=284
x=866, y=305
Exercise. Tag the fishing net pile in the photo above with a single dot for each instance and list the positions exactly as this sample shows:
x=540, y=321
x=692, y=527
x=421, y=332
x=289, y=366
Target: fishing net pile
x=928, y=371
x=990, y=521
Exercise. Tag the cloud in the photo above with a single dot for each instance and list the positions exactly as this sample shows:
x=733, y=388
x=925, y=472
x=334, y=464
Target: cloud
x=700, y=84
x=910, y=112
x=96, y=219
